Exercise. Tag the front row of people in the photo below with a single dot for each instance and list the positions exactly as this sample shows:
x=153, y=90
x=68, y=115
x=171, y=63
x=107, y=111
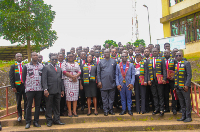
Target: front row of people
x=107, y=75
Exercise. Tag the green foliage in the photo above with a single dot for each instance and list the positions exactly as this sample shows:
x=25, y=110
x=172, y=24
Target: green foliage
x=110, y=42
x=138, y=42
x=27, y=20
x=6, y=63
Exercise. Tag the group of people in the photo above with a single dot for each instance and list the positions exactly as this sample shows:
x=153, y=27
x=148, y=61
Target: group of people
x=103, y=77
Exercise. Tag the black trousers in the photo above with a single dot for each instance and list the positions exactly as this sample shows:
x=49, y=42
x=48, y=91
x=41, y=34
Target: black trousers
x=99, y=99
x=140, y=93
x=53, y=101
x=19, y=94
x=82, y=97
x=148, y=98
x=117, y=93
x=167, y=88
x=108, y=97
x=158, y=97
x=62, y=103
x=185, y=102
x=37, y=95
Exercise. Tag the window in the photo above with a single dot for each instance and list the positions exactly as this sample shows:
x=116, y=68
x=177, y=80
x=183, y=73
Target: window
x=173, y=2
x=189, y=25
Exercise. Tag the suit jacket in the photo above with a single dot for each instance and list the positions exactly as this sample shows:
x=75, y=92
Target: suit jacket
x=13, y=77
x=163, y=69
x=188, y=74
x=130, y=75
x=52, y=79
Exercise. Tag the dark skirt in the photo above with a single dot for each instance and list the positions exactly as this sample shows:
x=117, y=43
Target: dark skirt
x=90, y=89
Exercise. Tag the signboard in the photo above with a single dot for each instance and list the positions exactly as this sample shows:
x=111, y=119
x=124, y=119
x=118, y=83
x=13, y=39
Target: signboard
x=175, y=42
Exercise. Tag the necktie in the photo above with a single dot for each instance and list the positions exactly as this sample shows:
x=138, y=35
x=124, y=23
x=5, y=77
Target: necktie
x=21, y=72
x=97, y=61
x=138, y=65
x=55, y=69
x=178, y=66
x=60, y=64
x=89, y=67
x=167, y=63
x=83, y=61
x=154, y=62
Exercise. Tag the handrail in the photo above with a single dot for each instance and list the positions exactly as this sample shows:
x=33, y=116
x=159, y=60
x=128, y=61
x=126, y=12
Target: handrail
x=7, y=114
x=195, y=86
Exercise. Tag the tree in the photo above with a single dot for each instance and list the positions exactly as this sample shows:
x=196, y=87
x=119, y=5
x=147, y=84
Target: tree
x=138, y=42
x=27, y=22
x=110, y=42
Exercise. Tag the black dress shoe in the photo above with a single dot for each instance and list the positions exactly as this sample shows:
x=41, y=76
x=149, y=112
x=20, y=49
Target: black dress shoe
x=19, y=119
x=123, y=112
x=82, y=108
x=59, y=123
x=155, y=112
x=188, y=120
x=174, y=112
x=166, y=111
x=27, y=126
x=161, y=113
x=112, y=113
x=182, y=119
x=130, y=112
x=143, y=112
x=49, y=124
x=35, y=124
x=105, y=113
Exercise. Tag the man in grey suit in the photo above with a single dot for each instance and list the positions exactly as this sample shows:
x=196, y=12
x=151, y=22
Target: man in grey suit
x=182, y=78
x=53, y=91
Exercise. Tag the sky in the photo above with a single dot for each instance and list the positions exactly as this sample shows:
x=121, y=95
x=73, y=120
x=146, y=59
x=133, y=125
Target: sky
x=91, y=22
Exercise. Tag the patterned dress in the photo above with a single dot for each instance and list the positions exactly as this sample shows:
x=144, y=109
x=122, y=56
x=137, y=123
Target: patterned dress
x=71, y=88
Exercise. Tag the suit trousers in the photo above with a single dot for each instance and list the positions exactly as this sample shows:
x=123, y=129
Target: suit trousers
x=126, y=95
x=148, y=98
x=37, y=95
x=140, y=93
x=19, y=94
x=53, y=102
x=158, y=97
x=63, y=103
x=167, y=87
x=108, y=97
x=185, y=102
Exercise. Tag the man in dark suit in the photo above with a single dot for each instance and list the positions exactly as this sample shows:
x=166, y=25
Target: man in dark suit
x=182, y=78
x=156, y=66
x=17, y=85
x=53, y=90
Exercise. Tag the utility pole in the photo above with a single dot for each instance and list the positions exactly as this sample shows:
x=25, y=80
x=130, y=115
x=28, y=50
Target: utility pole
x=135, y=31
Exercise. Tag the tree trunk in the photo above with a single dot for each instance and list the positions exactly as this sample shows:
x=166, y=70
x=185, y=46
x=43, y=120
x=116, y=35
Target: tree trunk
x=28, y=49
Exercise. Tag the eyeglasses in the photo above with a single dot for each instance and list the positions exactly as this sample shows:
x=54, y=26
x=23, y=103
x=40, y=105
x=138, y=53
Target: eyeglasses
x=124, y=56
x=113, y=52
x=70, y=56
x=96, y=52
x=178, y=55
x=54, y=59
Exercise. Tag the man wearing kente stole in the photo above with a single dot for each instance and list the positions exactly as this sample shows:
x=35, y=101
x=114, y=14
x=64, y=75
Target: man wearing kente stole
x=182, y=78
x=139, y=87
x=156, y=69
x=125, y=79
x=17, y=84
x=170, y=63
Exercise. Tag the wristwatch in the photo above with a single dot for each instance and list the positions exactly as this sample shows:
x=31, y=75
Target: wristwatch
x=45, y=90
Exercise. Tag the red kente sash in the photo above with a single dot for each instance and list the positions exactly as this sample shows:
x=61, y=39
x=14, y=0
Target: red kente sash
x=122, y=71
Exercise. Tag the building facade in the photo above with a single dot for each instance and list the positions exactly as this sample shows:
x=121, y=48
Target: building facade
x=182, y=17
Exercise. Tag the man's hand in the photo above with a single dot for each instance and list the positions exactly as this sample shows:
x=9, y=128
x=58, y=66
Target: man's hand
x=145, y=83
x=164, y=82
x=185, y=88
x=130, y=86
x=46, y=93
x=62, y=94
x=99, y=85
x=14, y=90
x=149, y=83
x=172, y=78
x=81, y=87
x=119, y=87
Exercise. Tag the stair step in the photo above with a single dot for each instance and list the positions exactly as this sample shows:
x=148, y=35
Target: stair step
x=149, y=125
x=100, y=118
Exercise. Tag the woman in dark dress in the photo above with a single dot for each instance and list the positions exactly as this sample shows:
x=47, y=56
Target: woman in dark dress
x=88, y=83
